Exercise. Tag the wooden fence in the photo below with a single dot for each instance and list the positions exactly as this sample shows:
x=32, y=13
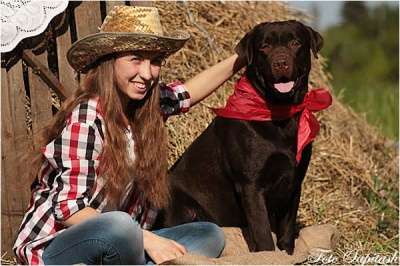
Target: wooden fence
x=30, y=73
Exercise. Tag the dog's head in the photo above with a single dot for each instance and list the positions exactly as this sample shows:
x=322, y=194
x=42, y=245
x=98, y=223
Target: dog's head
x=279, y=60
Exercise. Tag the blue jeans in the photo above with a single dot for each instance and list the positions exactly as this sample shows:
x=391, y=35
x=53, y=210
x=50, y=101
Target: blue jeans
x=115, y=238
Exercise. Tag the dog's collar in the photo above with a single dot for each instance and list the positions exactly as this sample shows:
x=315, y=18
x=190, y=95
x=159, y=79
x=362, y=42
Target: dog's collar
x=246, y=104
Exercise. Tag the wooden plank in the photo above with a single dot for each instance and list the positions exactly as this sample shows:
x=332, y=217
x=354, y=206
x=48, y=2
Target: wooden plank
x=15, y=144
x=111, y=4
x=7, y=134
x=66, y=73
x=40, y=100
x=23, y=140
x=87, y=18
x=45, y=74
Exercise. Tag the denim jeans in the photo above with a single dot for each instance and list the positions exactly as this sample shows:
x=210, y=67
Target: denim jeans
x=115, y=238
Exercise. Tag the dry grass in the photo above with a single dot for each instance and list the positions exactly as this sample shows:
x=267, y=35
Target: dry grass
x=353, y=176
x=352, y=181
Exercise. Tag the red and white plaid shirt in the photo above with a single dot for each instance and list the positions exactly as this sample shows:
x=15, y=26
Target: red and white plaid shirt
x=69, y=173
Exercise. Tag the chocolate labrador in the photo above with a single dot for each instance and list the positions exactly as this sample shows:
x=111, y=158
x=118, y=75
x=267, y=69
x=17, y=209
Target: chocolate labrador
x=246, y=172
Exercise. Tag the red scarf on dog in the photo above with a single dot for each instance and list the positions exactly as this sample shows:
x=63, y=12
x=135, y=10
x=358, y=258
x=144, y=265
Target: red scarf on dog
x=247, y=104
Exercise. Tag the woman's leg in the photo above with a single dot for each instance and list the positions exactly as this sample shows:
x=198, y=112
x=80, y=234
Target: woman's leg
x=202, y=238
x=111, y=238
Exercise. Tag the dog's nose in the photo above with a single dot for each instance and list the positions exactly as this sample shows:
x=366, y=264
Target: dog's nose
x=280, y=65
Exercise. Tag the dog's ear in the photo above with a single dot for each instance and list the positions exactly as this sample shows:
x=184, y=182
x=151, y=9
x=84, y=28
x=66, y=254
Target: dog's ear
x=316, y=41
x=245, y=48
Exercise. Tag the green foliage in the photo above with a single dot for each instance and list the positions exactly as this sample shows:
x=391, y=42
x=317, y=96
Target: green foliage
x=354, y=11
x=379, y=104
x=363, y=57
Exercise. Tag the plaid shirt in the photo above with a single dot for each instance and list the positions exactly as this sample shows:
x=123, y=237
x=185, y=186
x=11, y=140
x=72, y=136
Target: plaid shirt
x=69, y=173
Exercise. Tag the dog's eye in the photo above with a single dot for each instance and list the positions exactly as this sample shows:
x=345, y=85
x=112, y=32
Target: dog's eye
x=295, y=43
x=266, y=47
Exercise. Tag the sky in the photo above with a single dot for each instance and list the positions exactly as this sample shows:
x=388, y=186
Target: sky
x=329, y=10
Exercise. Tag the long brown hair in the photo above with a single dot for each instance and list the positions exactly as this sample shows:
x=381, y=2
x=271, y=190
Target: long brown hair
x=149, y=169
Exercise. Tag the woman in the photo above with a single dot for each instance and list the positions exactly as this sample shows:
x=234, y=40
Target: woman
x=100, y=175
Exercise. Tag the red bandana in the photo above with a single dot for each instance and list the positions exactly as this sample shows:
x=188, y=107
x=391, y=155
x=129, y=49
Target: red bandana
x=246, y=104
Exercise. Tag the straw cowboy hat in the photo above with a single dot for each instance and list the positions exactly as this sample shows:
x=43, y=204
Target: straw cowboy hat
x=126, y=28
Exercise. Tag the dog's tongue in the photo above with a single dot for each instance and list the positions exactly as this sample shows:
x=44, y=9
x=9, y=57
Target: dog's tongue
x=284, y=87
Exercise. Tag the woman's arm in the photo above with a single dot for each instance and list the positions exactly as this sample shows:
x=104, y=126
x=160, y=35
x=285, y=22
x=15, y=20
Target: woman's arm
x=76, y=164
x=210, y=79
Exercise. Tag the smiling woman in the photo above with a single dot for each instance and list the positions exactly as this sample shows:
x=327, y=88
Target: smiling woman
x=136, y=73
x=106, y=151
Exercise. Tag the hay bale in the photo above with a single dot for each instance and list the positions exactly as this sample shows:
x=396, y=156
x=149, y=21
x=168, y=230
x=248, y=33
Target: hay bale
x=348, y=152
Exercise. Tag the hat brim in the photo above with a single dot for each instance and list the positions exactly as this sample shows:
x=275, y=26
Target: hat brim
x=86, y=51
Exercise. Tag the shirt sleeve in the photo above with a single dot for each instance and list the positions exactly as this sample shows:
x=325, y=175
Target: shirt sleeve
x=175, y=99
x=75, y=154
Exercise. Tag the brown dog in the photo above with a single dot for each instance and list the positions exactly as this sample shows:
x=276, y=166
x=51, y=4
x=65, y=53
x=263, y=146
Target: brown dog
x=248, y=172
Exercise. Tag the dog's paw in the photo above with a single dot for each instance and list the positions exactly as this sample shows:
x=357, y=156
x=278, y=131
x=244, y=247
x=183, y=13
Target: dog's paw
x=287, y=245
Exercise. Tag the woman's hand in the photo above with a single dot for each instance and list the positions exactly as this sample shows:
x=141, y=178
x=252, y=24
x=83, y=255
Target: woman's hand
x=161, y=249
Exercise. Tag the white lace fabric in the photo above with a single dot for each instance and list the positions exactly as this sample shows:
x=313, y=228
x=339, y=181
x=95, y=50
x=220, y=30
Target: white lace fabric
x=25, y=18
